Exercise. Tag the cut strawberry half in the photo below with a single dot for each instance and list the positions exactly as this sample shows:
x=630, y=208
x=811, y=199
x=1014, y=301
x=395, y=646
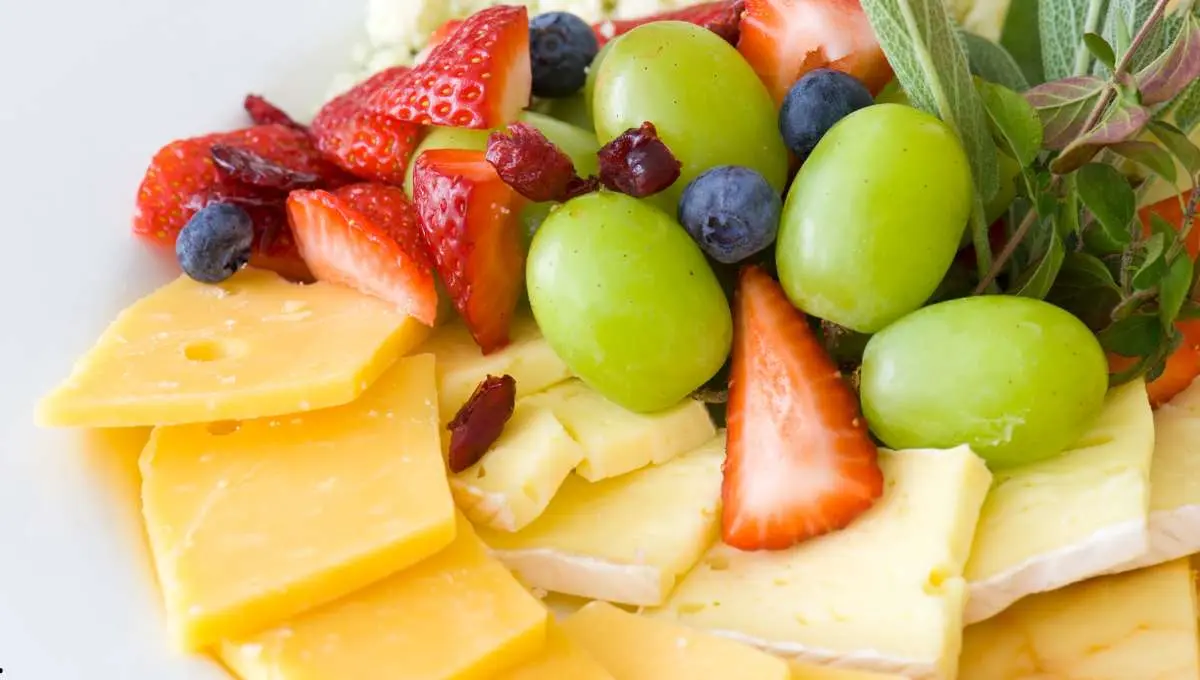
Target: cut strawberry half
x=784, y=39
x=471, y=221
x=721, y=17
x=366, y=236
x=799, y=462
x=478, y=77
x=368, y=144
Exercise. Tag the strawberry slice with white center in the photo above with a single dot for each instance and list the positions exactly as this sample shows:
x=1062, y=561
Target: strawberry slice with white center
x=471, y=221
x=366, y=236
x=478, y=77
x=784, y=39
x=799, y=462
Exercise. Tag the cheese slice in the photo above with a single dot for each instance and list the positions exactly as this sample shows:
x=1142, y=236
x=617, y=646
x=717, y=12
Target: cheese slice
x=616, y=440
x=625, y=539
x=802, y=671
x=1055, y=522
x=456, y=616
x=635, y=647
x=253, y=346
x=253, y=522
x=461, y=366
x=561, y=659
x=1174, y=524
x=1135, y=626
x=884, y=595
x=516, y=479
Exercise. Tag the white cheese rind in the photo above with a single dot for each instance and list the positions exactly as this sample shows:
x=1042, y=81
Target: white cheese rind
x=587, y=577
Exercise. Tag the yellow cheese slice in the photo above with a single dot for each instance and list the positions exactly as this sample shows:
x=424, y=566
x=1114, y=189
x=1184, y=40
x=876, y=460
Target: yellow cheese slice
x=884, y=595
x=801, y=671
x=616, y=440
x=253, y=522
x=1174, y=524
x=1055, y=522
x=461, y=366
x=516, y=479
x=635, y=647
x=456, y=616
x=625, y=539
x=1135, y=626
x=251, y=347
x=561, y=659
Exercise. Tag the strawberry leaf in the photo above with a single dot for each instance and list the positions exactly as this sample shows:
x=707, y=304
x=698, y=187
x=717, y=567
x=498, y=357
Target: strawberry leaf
x=993, y=63
x=1175, y=69
x=1063, y=107
x=1110, y=199
x=1124, y=121
x=1149, y=155
x=1174, y=288
x=1015, y=125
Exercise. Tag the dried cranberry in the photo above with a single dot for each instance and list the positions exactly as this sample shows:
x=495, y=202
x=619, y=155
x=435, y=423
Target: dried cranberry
x=263, y=112
x=638, y=163
x=480, y=421
x=728, y=24
x=247, y=167
x=531, y=164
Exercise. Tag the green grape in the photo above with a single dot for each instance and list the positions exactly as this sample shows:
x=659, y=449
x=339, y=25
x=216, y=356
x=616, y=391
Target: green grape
x=1017, y=379
x=874, y=218
x=707, y=103
x=572, y=110
x=589, y=86
x=626, y=298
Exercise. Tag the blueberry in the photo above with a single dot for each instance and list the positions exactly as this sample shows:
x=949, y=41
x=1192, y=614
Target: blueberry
x=561, y=47
x=215, y=243
x=815, y=103
x=732, y=212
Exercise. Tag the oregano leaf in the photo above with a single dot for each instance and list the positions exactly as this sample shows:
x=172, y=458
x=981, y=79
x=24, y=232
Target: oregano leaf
x=1014, y=123
x=1039, y=279
x=1174, y=287
x=1153, y=267
x=1107, y=195
x=993, y=63
x=1124, y=121
x=1136, y=336
x=1149, y=155
x=1175, y=69
x=1159, y=225
x=1063, y=107
x=1100, y=49
x=1086, y=288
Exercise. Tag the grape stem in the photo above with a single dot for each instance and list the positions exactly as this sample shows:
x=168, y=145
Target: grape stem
x=1156, y=15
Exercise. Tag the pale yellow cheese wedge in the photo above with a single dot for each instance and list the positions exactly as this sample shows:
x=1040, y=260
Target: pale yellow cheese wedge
x=635, y=647
x=1135, y=626
x=461, y=366
x=1082, y=514
x=251, y=347
x=884, y=595
x=516, y=479
x=253, y=522
x=616, y=440
x=456, y=616
x=561, y=659
x=803, y=671
x=625, y=539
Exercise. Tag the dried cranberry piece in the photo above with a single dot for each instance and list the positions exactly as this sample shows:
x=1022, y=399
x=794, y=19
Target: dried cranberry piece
x=638, y=163
x=480, y=421
x=263, y=112
x=247, y=167
x=531, y=164
x=728, y=24
x=580, y=186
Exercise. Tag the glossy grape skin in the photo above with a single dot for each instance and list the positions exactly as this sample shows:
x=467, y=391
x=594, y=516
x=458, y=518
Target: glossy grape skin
x=874, y=217
x=707, y=103
x=589, y=86
x=626, y=298
x=1017, y=379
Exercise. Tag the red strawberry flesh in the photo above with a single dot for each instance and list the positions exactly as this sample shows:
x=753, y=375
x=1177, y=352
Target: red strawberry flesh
x=263, y=112
x=368, y=144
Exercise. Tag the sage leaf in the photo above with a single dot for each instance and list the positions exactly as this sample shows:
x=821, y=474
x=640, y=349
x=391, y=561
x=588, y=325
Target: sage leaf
x=1150, y=155
x=1062, y=24
x=1014, y=123
x=921, y=43
x=993, y=63
x=1174, y=288
x=1100, y=49
x=1186, y=109
x=1175, y=69
x=1019, y=37
x=1179, y=145
x=1153, y=266
x=1124, y=121
x=1136, y=336
x=1107, y=195
x=1063, y=107
x=1037, y=281
x=1122, y=18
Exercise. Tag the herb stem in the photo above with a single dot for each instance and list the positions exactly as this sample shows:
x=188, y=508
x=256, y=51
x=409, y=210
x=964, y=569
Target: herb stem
x=1083, y=56
x=1156, y=15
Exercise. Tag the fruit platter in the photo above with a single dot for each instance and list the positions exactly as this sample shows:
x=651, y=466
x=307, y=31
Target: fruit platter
x=743, y=339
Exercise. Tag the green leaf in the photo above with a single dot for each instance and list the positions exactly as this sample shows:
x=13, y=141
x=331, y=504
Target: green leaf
x=1037, y=281
x=1086, y=288
x=1124, y=121
x=1100, y=49
x=1190, y=311
x=1159, y=225
x=1062, y=24
x=1178, y=144
x=1153, y=266
x=993, y=63
x=1020, y=37
x=1136, y=336
x=1063, y=106
x=1175, y=69
x=1174, y=288
x=1150, y=155
x=1107, y=194
x=1186, y=108
x=1014, y=123
x=921, y=43
x=1122, y=18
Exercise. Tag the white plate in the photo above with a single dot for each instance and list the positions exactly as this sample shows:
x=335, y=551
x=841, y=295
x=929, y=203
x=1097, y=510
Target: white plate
x=88, y=91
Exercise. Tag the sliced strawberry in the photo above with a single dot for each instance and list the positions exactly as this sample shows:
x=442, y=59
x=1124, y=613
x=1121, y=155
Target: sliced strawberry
x=263, y=112
x=370, y=145
x=799, y=460
x=442, y=32
x=471, y=222
x=784, y=39
x=366, y=236
x=274, y=247
x=479, y=77
x=721, y=17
